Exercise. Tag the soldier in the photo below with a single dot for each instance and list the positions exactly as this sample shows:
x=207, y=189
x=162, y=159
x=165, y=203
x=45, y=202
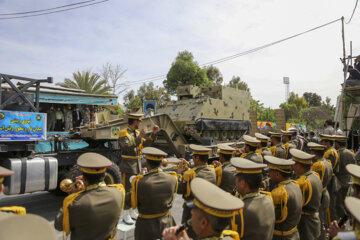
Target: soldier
x=287, y=199
x=4, y=172
x=59, y=120
x=288, y=142
x=324, y=170
x=345, y=157
x=211, y=212
x=225, y=178
x=131, y=143
x=277, y=148
x=312, y=137
x=93, y=213
x=329, y=127
x=77, y=117
x=86, y=114
x=311, y=188
x=200, y=170
x=331, y=155
x=263, y=149
x=251, y=144
x=30, y=227
x=257, y=220
x=68, y=119
x=51, y=119
x=153, y=194
x=297, y=140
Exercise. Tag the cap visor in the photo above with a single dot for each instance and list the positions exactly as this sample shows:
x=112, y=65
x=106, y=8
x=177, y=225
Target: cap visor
x=191, y=205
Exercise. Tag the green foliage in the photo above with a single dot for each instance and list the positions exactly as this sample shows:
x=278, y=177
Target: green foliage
x=119, y=109
x=312, y=98
x=146, y=92
x=88, y=81
x=185, y=71
x=293, y=107
x=214, y=75
x=262, y=113
x=236, y=82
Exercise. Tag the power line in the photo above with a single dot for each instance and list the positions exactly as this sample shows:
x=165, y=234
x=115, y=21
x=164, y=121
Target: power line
x=353, y=12
x=51, y=12
x=43, y=10
x=160, y=77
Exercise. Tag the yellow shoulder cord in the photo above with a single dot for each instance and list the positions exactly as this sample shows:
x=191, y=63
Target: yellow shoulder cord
x=235, y=226
x=122, y=190
x=123, y=133
x=304, y=185
x=319, y=168
x=174, y=174
x=259, y=151
x=273, y=150
x=233, y=234
x=286, y=146
x=280, y=197
x=218, y=172
x=134, y=186
x=268, y=194
x=68, y=202
x=14, y=209
x=187, y=177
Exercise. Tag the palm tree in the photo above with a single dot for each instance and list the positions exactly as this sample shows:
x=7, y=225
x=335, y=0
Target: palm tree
x=88, y=81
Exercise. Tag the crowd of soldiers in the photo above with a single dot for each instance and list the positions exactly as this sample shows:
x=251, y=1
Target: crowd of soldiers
x=264, y=188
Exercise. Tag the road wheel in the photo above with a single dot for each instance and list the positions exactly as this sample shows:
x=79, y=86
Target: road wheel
x=113, y=175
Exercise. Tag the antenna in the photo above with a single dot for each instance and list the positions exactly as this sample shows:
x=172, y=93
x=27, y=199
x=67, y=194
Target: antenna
x=286, y=81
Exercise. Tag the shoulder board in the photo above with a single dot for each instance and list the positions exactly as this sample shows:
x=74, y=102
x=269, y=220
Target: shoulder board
x=123, y=133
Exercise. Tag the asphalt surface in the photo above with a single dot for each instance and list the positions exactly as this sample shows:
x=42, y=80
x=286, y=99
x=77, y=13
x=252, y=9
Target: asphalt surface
x=48, y=204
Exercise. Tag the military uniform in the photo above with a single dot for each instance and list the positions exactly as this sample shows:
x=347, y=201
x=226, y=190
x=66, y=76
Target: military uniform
x=324, y=170
x=225, y=178
x=277, y=150
x=345, y=157
x=68, y=120
x=51, y=120
x=311, y=187
x=86, y=115
x=256, y=221
x=288, y=145
x=264, y=140
x=253, y=156
x=287, y=198
x=153, y=194
x=95, y=212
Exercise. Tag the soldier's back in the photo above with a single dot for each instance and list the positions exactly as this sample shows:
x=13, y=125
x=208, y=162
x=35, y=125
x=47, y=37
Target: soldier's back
x=207, y=173
x=255, y=157
x=95, y=213
x=228, y=178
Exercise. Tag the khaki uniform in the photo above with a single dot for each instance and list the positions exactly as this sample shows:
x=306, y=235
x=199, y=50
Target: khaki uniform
x=154, y=193
x=278, y=151
x=264, y=151
x=203, y=171
x=345, y=157
x=225, y=178
x=86, y=115
x=309, y=225
x=131, y=145
x=253, y=156
x=287, y=219
x=93, y=213
x=332, y=157
x=258, y=217
x=324, y=169
x=51, y=120
x=68, y=120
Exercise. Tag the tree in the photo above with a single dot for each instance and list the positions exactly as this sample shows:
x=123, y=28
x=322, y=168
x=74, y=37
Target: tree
x=214, y=75
x=113, y=75
x=146, y=92
x=88, y=81
x=314, y=117
x=185, y=71
x=312, y=98
x=293, y=107
x=236, y=82
x=262, y=113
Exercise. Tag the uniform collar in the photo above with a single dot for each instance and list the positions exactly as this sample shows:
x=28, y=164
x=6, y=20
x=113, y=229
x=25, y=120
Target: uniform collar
x=155, y=170
x=250, y=195
x=94, y=186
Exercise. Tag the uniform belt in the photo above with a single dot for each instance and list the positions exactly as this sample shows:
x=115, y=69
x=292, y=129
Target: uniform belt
x=131, y=157
x=307, y=213
x=156, y=215
x=285, y=233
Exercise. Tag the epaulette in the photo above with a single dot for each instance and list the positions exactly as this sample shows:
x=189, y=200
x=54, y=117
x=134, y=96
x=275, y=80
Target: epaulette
x=134, y=186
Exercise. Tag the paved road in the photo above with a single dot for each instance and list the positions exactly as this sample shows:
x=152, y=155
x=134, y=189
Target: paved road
x=47, y=205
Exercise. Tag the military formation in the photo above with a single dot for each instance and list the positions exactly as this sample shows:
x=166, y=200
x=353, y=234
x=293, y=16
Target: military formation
x=267, y=189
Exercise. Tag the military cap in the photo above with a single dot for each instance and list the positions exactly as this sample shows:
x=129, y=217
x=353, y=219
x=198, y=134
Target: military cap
x=292, y=129
x=251, y=141
x=29, y=226
x=287, y=133
x=275, y=134
x=340, y=138
x=213, y=200
x=243, y=165
x=93, y=163
x=225, y=149
x=154, y=154
x=199, y=150
x=136, y=116
x=352, y=204
x=327, y=137
x=279, y=164
x=315, y=146
x=261, y=137
x=301, y=157
x=354, y=171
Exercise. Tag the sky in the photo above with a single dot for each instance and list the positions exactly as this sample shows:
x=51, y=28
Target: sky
x=145, y=37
